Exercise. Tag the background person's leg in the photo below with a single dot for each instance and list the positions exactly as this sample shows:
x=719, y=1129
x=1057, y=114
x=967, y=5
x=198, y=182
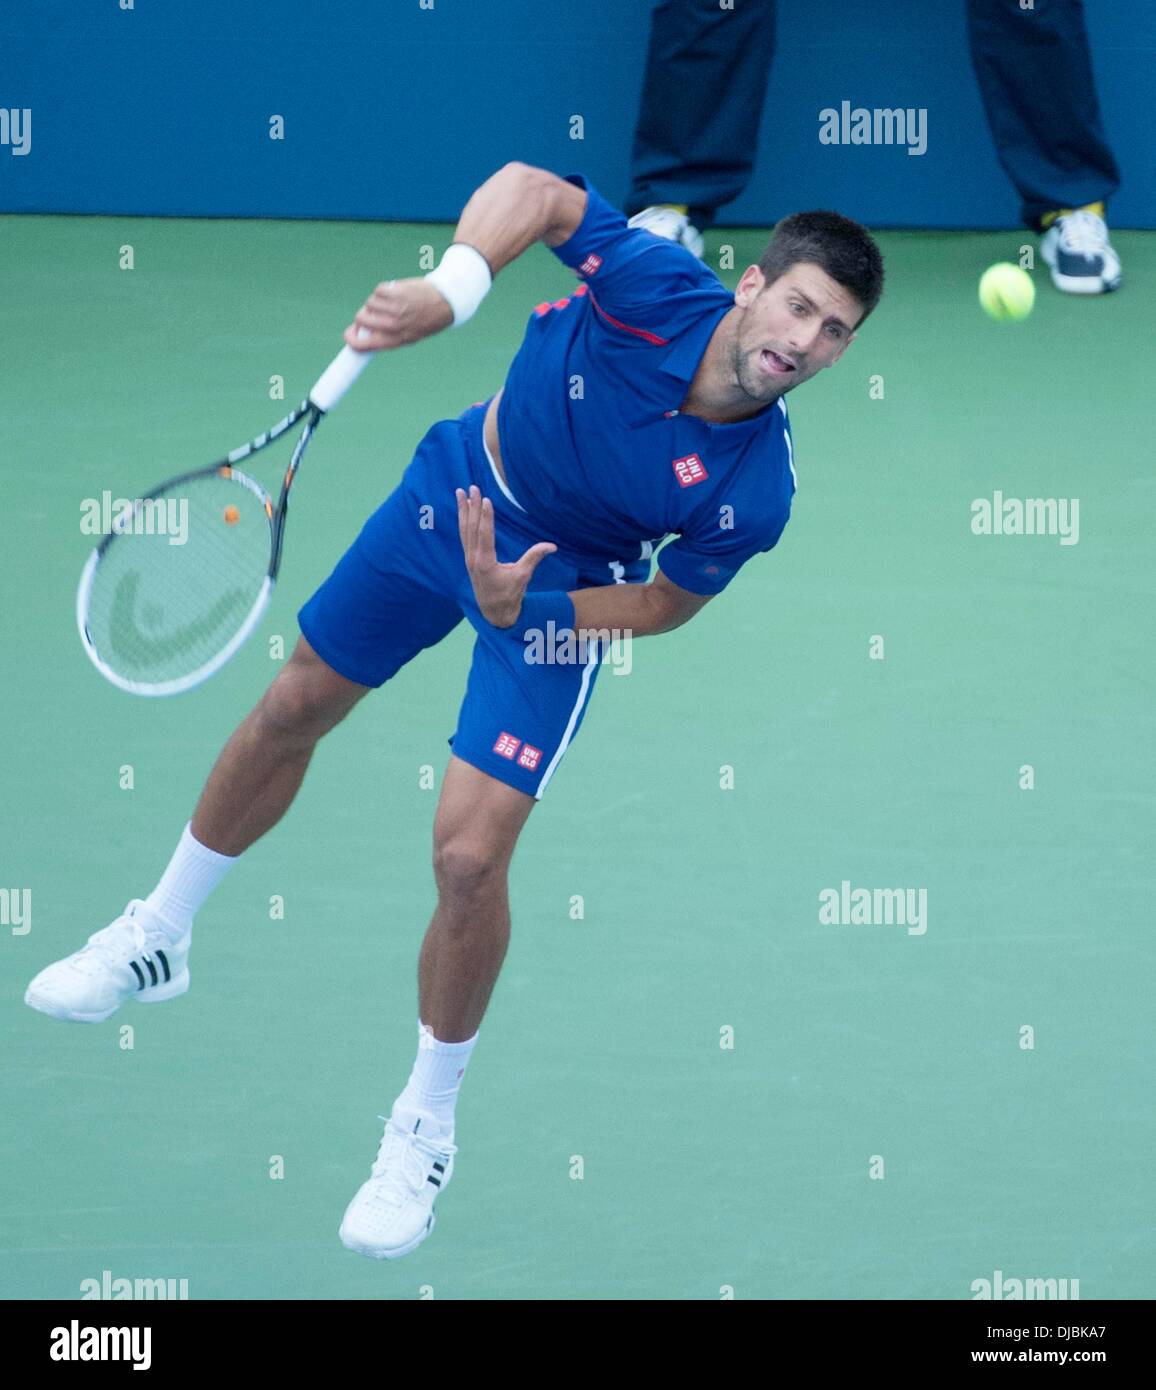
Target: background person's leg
x=1034, y=71
x=702, y=100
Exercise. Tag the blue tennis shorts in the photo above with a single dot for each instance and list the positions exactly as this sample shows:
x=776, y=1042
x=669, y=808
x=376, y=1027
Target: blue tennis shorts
x=402, y=586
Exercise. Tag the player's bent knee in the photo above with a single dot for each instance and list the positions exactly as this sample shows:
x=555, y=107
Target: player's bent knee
x=465, y=868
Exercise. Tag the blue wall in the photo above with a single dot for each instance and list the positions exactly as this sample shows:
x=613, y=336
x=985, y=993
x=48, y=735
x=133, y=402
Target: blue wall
x=392, y=111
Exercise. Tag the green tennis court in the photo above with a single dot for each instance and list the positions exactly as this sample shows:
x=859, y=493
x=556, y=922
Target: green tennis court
x=614, y=1144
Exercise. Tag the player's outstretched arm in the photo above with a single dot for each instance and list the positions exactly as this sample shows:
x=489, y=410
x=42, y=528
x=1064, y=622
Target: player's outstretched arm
x=516, y=207
x=642, y=609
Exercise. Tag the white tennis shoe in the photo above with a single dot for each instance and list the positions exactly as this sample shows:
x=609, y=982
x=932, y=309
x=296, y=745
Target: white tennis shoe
x=129, y=959
x=392, y=1212
x=668, y=222
x=1081, y=258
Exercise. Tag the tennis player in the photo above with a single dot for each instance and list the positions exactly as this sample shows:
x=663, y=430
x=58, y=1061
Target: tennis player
x=648, y=402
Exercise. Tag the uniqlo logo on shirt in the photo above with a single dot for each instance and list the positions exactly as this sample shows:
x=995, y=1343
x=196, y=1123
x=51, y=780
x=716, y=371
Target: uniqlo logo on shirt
x=590, y=264
x=507, y=745
x=689, y=470
x=529, y=756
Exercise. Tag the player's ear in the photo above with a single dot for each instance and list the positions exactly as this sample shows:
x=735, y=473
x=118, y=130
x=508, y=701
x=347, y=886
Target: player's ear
x=748, y=287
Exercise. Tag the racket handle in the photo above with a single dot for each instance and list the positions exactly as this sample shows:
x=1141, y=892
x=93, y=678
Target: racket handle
x=340, y=375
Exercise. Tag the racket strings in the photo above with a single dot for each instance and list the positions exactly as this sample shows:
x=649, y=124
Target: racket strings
x=174, y=587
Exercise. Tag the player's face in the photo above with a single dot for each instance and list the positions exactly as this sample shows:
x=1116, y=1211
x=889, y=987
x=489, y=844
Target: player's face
x=790, y=329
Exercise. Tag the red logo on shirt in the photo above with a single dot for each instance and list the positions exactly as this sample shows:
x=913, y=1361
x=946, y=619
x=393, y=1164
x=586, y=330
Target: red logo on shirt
x=590, y=265
x=529, y=756
x=689, y=470
x=507, y=745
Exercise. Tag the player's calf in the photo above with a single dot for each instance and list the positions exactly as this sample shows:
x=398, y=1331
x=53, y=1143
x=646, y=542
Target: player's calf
x=260, y=769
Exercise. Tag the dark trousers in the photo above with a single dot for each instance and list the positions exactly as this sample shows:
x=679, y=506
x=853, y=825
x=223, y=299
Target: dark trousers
x=706, y=81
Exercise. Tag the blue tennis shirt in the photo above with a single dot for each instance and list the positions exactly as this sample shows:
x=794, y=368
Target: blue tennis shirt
x=592, y=439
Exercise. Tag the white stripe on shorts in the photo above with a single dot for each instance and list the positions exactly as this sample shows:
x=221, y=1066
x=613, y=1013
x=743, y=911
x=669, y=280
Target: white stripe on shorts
x=592, y=659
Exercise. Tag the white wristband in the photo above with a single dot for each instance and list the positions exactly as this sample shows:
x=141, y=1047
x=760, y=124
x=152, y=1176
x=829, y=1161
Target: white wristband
x=463, y=278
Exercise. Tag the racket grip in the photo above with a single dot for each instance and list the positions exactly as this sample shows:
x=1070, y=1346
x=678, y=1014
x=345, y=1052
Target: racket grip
x=339, y=376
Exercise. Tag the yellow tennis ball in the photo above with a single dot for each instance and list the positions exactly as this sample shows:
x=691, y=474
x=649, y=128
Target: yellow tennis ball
x=1006, y=291
x=232, y=515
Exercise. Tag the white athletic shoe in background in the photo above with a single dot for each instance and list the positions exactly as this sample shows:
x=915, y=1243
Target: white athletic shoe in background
x=1080, y=256
x=670, y=223
x=129, y=959
x=392, y=1212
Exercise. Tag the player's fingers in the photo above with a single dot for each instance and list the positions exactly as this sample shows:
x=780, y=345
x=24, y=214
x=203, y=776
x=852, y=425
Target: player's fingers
x=404, y=311
x=535, y=555
x=474, y=521
x=487, y=552
x=464, y=525
x=364, y=339
x=475, y=515
x=379, y=319
x=359, y=338
x=381, y=330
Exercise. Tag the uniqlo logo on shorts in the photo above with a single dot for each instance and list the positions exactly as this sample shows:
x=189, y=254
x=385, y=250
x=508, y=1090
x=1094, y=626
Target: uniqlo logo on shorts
x=529, y=756
x=590, y=264
x=689, y=470
x=507, y=745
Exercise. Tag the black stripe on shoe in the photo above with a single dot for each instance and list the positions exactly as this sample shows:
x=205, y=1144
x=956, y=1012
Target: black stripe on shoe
x=152, y=969
x=436, y=1181
x=440, y=1167
x=137, y=972
x=164, y=961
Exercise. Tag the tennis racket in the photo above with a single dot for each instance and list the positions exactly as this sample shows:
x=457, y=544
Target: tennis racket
x=183, y=576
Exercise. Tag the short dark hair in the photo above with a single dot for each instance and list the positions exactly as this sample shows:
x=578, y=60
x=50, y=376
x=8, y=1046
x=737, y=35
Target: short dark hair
x=835, y=244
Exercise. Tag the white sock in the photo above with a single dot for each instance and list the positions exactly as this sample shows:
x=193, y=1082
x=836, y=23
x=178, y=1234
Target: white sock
x=193, y=872
x=434, y=1083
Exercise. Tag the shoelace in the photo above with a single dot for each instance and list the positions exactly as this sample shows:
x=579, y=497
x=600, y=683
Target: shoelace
x=1084, y=233
x=108, y=945
x=403, y=1160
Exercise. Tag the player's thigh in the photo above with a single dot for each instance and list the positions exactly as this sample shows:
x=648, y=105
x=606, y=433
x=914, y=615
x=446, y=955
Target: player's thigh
x=523, y=706
x=526, y=698
x=476, y=827
x=393, y=593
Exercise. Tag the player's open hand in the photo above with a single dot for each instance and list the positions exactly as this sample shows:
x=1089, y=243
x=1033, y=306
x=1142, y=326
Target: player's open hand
x=497, y=587
x=396, y=313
